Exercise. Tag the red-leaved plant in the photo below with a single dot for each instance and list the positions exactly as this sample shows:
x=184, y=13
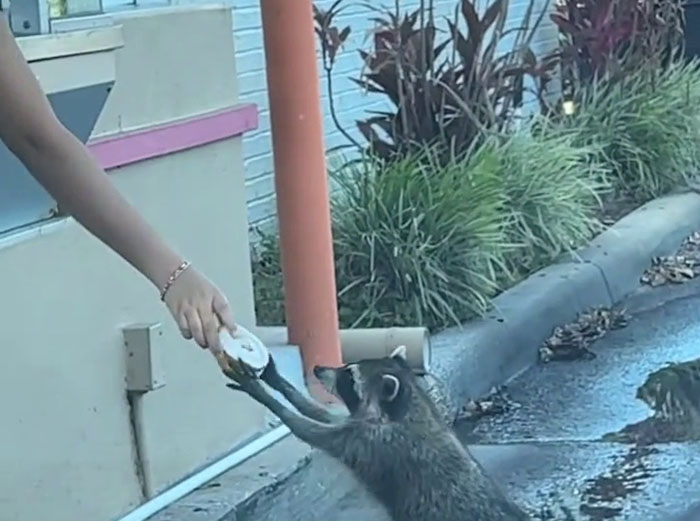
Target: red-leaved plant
x=607, y=38
x=443, y=91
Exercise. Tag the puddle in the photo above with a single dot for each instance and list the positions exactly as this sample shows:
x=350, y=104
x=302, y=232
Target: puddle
x=673, y=394
x=603, y=395
x=603, y=498
x=551, y=508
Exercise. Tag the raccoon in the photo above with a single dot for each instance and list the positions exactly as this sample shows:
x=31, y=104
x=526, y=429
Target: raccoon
x=393, y=440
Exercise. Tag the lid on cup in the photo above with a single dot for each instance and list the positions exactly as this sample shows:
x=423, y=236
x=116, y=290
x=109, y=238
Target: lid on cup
x=246, y=348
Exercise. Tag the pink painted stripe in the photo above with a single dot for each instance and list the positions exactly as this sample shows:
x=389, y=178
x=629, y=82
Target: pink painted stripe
x=130, y=147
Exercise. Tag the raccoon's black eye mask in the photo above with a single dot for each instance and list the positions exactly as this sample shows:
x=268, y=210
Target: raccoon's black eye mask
x=345, y=387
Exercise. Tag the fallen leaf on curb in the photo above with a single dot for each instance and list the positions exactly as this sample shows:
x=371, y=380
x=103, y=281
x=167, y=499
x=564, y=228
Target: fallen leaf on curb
x=571, y=341
x=693, y=240
x=675, y=269
x=496, y=402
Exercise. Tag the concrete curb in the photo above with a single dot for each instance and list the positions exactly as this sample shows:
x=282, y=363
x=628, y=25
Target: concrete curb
x=471, y=359
x=481, y=354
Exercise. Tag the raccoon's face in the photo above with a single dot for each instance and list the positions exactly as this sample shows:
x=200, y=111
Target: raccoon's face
x=373, y=389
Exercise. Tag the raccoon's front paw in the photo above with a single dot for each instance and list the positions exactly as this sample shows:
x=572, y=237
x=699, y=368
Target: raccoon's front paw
x=270, y=374
x=242, y=386
x=251, y=386
x=245, y=382
x=235, y=369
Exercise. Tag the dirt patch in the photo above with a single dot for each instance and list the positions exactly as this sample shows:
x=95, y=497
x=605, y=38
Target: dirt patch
x=615, y=209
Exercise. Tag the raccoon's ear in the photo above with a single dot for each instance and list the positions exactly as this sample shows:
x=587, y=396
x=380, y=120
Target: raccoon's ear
x=399, y=352
x=390, y=387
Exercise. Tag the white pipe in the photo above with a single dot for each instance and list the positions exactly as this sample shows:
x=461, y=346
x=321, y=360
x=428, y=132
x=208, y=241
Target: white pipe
x=357, y=344
x=158, y=503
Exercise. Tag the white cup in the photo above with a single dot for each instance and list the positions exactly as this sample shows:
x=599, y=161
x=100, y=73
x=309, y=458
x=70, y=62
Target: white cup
x=245, y=348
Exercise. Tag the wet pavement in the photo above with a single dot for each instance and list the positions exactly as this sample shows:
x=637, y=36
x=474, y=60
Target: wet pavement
x=548, y=451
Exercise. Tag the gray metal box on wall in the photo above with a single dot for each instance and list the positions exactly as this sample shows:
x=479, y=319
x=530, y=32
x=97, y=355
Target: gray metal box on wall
x=144, y=367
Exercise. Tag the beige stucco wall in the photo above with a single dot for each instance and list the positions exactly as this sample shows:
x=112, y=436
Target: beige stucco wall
x=66, y=447
x=183, y=64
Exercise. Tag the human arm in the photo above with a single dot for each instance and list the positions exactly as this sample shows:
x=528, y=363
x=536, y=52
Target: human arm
x=69, y=172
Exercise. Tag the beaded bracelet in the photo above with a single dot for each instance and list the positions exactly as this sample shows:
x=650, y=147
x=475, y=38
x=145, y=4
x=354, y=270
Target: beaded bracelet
x=173, y=277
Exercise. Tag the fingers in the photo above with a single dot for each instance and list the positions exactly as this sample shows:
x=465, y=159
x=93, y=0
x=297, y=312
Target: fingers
x=224, y=312
x=211, y=327
x=203, y=327
x=200, y=310
x=195, y=326
x=181, y=320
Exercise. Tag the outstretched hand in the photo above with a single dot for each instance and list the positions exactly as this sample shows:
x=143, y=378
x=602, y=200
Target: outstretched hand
x=70, y=173
x=200, y=309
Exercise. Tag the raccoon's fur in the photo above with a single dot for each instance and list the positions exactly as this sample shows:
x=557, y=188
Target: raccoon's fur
x=394, y=440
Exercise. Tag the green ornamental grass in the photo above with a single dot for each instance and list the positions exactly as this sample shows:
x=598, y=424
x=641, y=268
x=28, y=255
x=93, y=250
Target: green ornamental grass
x=553, y=192
x=422, y=242
x=428, y=241
x=415, y=244
x=646, y=128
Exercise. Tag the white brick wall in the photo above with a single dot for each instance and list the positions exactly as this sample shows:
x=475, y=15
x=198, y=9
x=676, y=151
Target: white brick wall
x=350, y=102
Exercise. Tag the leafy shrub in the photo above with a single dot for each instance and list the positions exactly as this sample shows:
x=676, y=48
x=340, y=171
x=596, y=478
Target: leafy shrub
x=552, y=187
x=411, y=247
x=442, y=91
x=420, y=242
x=612, y=38
x=268, y=285
x=469, y=203
x=646, y=127
x=414, y=245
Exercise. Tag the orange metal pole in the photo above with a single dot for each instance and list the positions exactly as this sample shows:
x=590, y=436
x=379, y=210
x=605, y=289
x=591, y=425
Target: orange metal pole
x=300, y=181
